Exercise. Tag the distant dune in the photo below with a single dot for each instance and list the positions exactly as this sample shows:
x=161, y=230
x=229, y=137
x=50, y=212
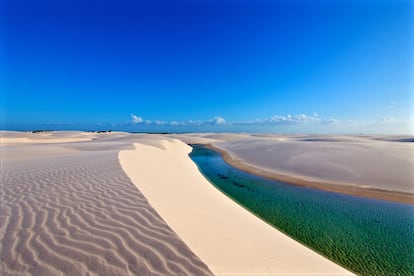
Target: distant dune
x=373, y=166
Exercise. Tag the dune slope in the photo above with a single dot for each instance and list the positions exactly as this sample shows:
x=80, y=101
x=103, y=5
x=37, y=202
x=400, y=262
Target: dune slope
x=228, y=238
x=72, y=209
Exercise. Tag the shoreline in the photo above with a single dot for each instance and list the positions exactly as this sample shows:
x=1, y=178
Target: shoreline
x=348, y=189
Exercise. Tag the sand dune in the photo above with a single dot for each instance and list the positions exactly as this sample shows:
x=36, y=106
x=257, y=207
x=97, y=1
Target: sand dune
x=70, y=208
x=228, y=238
x=372, y=166
x=16, y=137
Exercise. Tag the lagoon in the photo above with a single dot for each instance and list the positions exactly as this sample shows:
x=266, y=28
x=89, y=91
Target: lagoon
x=367, y=236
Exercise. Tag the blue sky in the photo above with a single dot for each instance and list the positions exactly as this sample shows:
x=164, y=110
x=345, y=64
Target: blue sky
x=261, y=66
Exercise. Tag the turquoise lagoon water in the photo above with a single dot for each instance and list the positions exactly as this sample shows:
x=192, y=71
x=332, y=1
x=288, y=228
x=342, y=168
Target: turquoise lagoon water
x=367, y=236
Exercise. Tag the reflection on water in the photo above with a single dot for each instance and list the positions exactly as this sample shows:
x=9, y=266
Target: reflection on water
x=367, y=236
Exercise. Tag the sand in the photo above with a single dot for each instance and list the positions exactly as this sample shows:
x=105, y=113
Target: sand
x=48, y=137
x=371, y=166
x=118, y=204
x=228, y=238
x=68, y=207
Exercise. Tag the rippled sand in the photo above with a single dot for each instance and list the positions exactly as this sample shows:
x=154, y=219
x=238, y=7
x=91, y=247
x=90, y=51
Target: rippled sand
x=67, y=206
x=70, y=208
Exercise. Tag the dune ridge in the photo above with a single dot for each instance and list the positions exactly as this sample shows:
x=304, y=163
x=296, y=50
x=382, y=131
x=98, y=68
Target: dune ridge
x=75, y=211
x=227, y=237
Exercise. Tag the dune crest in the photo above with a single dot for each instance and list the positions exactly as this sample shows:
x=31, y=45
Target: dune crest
x=228, y=238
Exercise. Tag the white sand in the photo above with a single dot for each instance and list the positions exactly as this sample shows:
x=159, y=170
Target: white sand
x=77, y=211
x=381, y=162
x=68, y=208
x=15, y=137
x=229, y=239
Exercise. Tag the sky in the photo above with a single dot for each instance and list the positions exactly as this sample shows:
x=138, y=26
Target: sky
x=301, y=66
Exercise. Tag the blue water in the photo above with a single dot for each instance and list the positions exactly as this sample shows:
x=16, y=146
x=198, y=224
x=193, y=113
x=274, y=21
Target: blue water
x=367, y=236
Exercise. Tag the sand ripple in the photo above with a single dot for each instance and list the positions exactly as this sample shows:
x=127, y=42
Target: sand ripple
x=79, y=214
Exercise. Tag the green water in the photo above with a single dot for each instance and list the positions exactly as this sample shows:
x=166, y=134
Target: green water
x=366, y=236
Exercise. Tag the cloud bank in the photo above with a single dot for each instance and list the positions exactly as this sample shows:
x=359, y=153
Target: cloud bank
x=293, y=123
x=290, y=120
x=217, y=120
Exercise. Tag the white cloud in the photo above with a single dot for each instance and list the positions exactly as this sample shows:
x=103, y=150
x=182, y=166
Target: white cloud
x=218, y=120
x=291, y=119
x=281, y=120
x=295, y=122
x=193, y=123
x=136, y=119
x=160, y=123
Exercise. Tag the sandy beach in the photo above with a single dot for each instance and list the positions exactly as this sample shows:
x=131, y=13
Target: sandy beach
x=370, y=166
x=118, y=203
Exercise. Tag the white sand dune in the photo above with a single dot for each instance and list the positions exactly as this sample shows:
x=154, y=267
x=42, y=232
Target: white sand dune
x=70, y=208
x=48, y=137
x=229, y=239
x=374, y=166
x=378, y=164
x=67, y=206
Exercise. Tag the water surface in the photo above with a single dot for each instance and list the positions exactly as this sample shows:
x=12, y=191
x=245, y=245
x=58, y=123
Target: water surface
x=367, y=236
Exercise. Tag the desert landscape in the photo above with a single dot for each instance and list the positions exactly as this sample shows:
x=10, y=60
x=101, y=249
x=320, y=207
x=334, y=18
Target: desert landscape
x=119, y=203
x=68, y=207
x=206, y=137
